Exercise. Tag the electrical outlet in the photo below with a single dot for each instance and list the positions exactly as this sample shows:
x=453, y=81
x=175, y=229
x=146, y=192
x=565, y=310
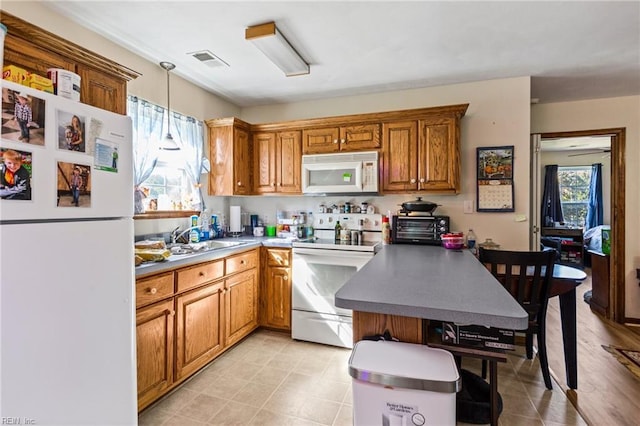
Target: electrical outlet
x=468, y=206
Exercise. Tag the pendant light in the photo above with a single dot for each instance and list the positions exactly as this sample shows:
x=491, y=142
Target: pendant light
x=167, y=143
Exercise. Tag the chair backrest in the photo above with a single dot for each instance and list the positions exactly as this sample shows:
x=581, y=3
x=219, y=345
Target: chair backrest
x=525, y=274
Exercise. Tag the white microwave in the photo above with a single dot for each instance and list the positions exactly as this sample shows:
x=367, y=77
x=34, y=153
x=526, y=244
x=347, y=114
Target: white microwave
x=344, y=173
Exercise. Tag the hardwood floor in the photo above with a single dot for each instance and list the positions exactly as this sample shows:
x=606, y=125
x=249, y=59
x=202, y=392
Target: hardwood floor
x=607, y=392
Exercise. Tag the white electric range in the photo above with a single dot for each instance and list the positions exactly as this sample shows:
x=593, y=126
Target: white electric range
x=320, y=268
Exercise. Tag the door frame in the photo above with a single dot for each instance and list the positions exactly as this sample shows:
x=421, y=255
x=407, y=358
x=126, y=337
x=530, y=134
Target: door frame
x=618, y=208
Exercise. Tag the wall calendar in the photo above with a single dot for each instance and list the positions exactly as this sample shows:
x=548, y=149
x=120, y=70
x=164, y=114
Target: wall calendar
x=494, y=188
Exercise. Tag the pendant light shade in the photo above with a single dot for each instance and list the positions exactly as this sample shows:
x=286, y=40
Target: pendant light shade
x=168, y=143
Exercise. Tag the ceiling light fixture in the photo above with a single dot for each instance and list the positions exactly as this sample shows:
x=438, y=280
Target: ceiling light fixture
x=275, y=46
x=168, y=143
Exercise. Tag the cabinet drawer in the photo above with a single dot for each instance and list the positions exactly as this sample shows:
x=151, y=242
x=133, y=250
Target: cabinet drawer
x=278, y=257
x=158, y=287
x=242, y=262
x=192, y=277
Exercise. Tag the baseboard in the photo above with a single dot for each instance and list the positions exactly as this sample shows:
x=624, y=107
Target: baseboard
x=632, y=321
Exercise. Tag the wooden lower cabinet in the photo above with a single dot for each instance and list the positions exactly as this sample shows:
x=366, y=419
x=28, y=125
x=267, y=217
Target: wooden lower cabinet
x=199, y=338
x=275, y=291
x=154, y=345
x=241, y=305
x=188, y=316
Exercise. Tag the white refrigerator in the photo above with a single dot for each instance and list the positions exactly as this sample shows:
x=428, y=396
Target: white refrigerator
x=67, y=319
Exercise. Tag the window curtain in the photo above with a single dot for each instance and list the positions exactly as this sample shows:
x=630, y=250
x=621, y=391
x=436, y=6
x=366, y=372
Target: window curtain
x=595, y=211
x=147, y=120
x=551, y=210
x=189, y=136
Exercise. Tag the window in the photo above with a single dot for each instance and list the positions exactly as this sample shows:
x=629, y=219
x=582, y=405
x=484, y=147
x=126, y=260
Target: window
x=165, y=180
x=574, y=193
x=168, y=185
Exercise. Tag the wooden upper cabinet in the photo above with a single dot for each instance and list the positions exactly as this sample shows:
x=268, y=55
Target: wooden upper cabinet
x=423, y=154
x=400, y=156
x=320, y=141
x=439, y=156
x=289, y=165
x=277, y=162
x=230, y=156
x=344, y=138
x=103, y=82
x=103, y=90
x=264, y=174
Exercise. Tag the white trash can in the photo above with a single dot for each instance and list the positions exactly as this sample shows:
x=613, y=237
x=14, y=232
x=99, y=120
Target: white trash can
x=403, y=384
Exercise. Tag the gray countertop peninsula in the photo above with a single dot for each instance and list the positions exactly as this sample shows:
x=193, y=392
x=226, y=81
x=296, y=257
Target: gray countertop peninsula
x=433, y=283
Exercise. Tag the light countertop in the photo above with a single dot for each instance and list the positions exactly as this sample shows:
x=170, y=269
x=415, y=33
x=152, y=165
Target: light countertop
x=174, y=261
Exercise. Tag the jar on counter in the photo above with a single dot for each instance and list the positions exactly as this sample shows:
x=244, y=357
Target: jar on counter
x=488, y=244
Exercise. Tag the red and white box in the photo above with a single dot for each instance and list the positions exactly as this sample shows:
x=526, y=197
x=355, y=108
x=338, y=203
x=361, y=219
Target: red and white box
x=65, y=83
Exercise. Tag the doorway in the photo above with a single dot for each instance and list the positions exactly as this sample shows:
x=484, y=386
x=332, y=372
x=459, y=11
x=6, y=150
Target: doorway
x=616, y=201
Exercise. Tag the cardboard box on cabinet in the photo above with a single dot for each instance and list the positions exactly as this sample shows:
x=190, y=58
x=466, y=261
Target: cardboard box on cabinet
x=15, y=74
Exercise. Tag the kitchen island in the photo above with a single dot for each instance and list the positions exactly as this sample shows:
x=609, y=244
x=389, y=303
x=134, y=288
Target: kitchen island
x=403, y=286
x=430, y=282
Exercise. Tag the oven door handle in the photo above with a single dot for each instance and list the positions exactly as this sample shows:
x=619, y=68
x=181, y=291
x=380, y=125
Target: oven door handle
x=325, y=252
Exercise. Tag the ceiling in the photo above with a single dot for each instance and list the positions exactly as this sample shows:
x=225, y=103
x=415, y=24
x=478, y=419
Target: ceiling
x=572, y=50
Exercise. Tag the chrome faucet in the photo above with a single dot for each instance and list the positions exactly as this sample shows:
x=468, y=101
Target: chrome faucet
x=175, y=236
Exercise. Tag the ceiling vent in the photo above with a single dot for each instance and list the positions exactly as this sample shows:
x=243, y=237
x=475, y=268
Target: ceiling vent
x=208, y=58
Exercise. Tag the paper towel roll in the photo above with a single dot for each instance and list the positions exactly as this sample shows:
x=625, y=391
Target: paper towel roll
x=235, y=224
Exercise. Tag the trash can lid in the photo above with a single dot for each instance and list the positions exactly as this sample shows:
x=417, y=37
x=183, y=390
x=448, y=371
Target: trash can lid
x=404, y=365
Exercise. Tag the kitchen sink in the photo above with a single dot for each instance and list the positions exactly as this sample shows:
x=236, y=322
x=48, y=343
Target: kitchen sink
x=200, y=247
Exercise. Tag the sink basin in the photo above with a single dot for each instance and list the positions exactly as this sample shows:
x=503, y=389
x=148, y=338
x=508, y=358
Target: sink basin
x=177, y=248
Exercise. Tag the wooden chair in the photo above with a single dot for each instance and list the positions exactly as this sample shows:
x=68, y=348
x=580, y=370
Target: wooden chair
x=527, y=276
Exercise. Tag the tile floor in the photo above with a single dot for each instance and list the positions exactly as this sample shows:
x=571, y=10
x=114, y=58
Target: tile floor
x=270, y=379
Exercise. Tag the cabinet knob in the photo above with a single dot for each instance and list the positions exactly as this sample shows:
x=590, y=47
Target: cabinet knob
x=285, y=278
x=413, y=181
x=335, y=141
x=201, y=274
x=242, y=262
x=421, y=180
x=153, y=290
x=343, y=141
x=239, y=183
x=273, y=184
x=279, y=183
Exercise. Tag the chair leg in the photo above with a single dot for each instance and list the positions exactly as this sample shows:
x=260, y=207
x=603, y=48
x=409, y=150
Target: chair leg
x=544, y=362
x=484, y=368
x=529, y=345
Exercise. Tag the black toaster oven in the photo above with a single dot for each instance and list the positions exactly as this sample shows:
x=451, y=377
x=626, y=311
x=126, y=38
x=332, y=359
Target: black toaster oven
x=419, y=229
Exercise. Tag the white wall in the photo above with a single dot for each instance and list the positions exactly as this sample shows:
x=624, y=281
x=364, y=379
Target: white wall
x=604, y=114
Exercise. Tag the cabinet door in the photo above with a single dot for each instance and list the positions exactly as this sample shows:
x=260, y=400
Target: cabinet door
x=400, y=156
x=439, y=156
x=199, y=334
x=241, y=162
x=241, y=305
x=264, y=174
x=360, y=138
x=289, y=163
x=320, y=141
x=102, y=91
x=277, y=297
x=154, y=347
x=230, y=166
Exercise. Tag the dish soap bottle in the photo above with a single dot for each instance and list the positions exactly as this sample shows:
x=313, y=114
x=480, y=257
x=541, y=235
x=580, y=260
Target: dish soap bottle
x=338, y=229
x=471, y=241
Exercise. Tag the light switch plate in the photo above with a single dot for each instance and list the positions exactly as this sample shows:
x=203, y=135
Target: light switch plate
x=520, y=218
x=468, y=206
